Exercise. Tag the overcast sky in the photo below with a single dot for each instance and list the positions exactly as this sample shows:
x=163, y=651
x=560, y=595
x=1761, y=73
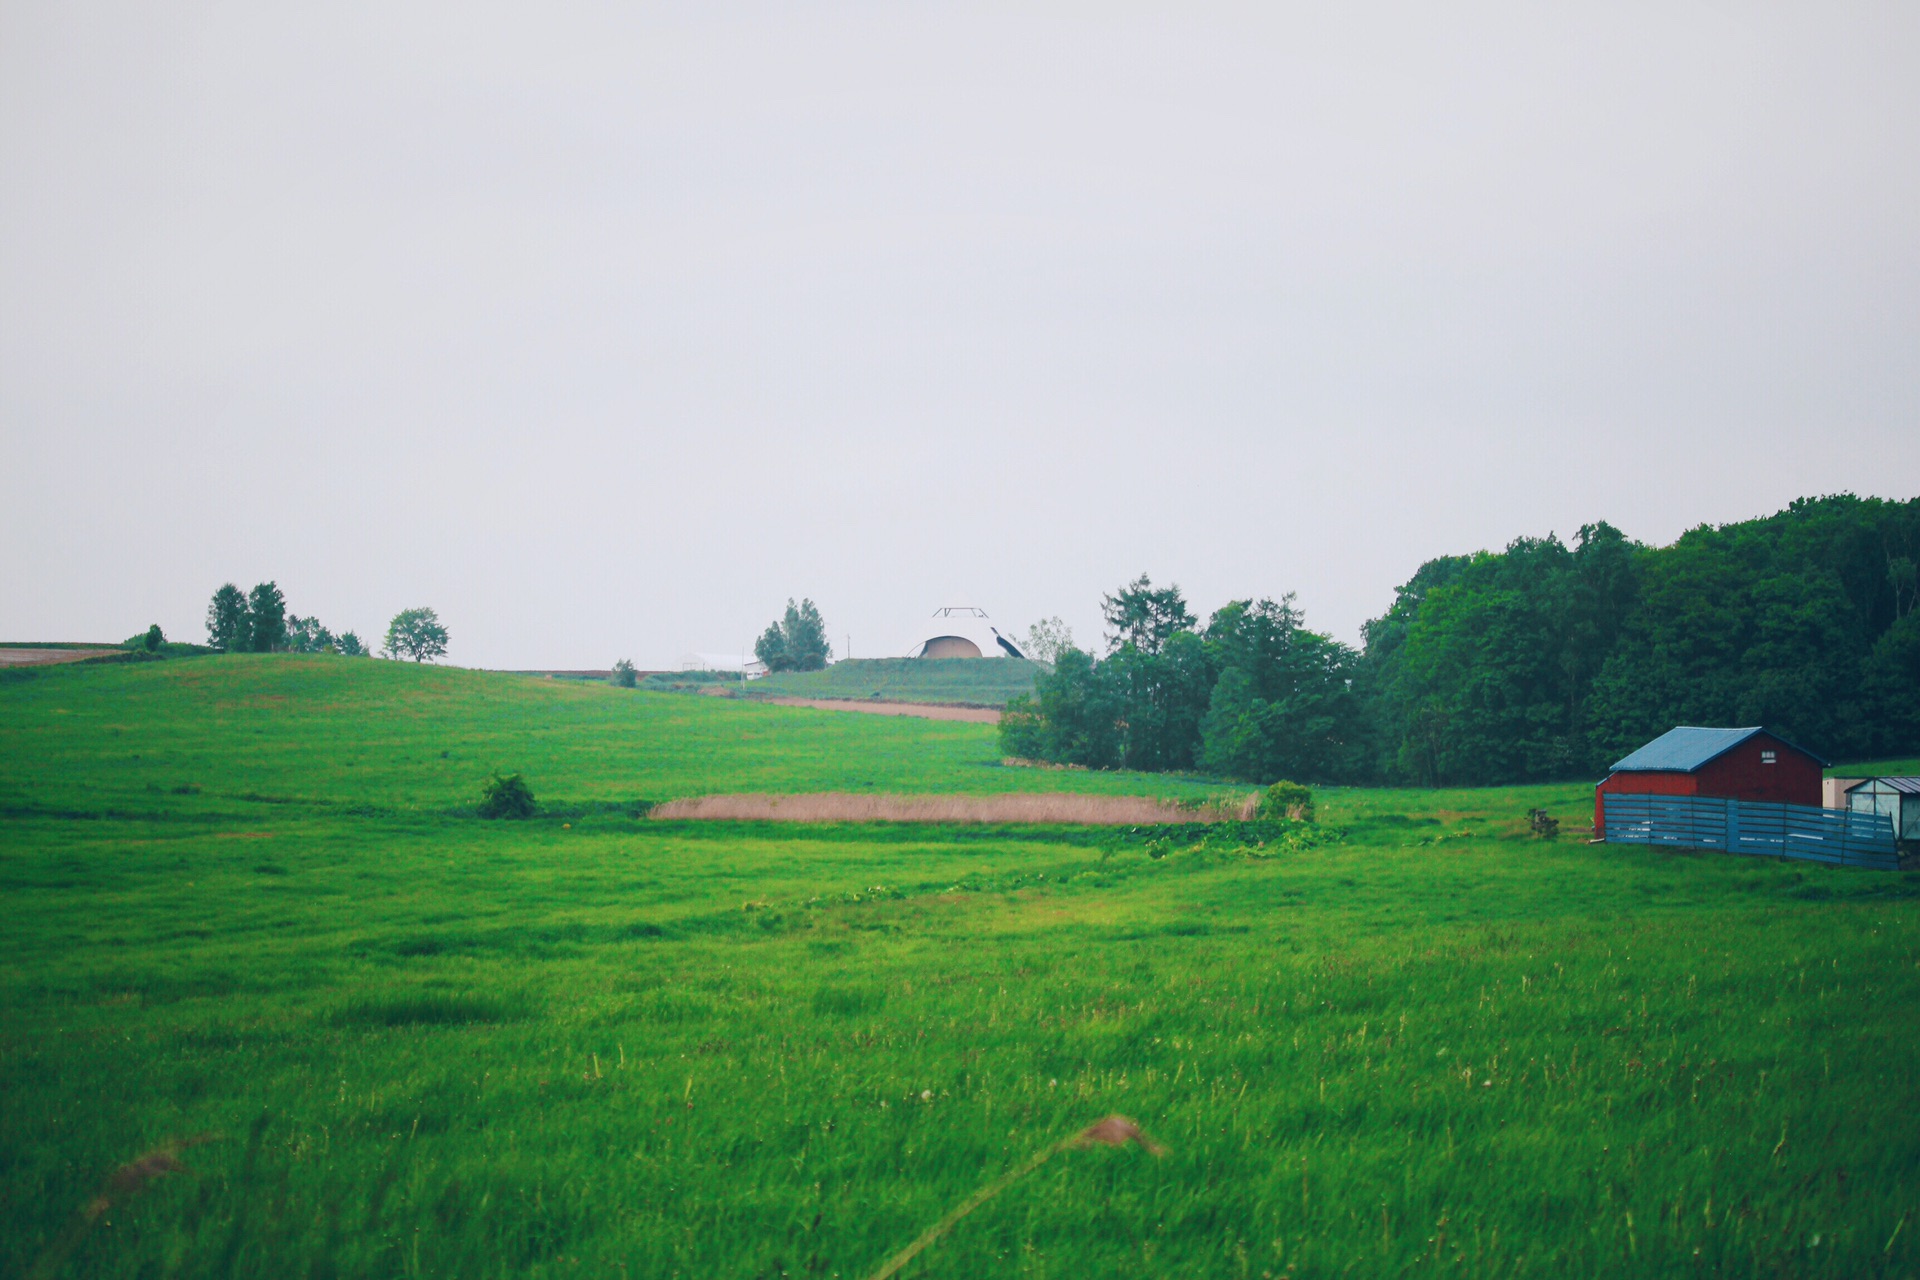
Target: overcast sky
x=605, y=331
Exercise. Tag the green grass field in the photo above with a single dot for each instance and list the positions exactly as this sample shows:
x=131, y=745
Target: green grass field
x=245, y=899
x=978, y=681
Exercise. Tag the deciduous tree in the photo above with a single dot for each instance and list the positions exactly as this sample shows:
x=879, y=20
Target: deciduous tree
x=227, y=621
x=797, y=642
x=1144, y=617
x=267, y=614
x=1046, y=638
x=416, y=634
x=306, y=635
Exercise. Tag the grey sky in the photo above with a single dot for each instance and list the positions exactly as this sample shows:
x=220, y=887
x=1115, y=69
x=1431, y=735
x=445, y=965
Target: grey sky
x=604, y=332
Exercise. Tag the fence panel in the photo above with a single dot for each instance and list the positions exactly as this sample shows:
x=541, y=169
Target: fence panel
x=1836, y=836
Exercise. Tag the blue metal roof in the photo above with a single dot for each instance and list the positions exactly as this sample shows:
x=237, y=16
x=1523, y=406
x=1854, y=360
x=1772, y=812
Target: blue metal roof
x=1905, y=786
x=1684, y=749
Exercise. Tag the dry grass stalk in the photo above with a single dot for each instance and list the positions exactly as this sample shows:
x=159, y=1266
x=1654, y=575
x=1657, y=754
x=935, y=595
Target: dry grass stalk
x=1117, y=1131
x=833, y=806
x=123, y=1184
x=1114, y=1131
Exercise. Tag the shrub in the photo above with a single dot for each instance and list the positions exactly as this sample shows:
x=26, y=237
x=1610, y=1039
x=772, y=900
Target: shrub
x=1023, y=730
x=506, y=797
x=624, y=674
x=1287, y=800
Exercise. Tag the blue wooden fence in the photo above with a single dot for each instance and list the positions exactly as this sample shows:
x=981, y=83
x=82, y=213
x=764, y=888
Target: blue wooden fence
x=1747, y=826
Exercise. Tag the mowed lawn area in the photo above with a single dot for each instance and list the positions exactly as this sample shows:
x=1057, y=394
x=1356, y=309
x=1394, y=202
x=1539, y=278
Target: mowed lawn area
x=244, y=903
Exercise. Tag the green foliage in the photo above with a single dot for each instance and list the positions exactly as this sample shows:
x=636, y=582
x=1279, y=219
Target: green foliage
x=1287, y=800
x=1549, y=662
x=1773, y=622
x=416, y=634
x=797, y=642
x=349, y=645
x=1144, y=618
x=624, y=674
x=1045, y=640
x=506, y=796
x=153, y=639
x=1073, y=716
x=1890, y=686
x=441, y=1046
x=266, y=619
x=1282, y=702
x=306, y=635
x=228, y=628
x=1481, y=672
x=1255, y=696
x=1023, y=729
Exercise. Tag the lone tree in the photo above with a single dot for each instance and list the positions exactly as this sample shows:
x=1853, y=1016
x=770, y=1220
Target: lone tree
x=625, y=675
x=416, y=634
x=228, y=628
x=798, y=642
x=1046, y=638
x=267, y=611
x=154, y=638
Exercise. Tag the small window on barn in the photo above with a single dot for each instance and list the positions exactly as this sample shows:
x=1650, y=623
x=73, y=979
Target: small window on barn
x=1766, y=757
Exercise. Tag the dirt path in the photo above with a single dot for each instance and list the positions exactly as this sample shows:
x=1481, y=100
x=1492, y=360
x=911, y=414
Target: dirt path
x=924, y=710
x=42, y=657
x=835, y=806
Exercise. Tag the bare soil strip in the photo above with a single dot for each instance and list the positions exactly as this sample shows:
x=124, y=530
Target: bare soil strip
x=924, y=710
x=42, y=657
x=836, y=806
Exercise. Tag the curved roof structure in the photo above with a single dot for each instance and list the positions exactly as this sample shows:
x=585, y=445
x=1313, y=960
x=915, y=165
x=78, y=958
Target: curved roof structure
x=964, y=631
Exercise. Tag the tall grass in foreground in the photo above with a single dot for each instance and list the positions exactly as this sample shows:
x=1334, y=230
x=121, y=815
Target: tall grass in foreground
x=706, y=1049
x=614, y=1046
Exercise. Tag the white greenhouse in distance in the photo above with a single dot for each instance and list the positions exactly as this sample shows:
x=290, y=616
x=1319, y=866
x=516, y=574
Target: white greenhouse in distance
x=737, y=664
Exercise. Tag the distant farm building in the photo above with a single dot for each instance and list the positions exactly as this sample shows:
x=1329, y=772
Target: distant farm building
x=966, y=632
x=1730, y=764
x=1898, y=798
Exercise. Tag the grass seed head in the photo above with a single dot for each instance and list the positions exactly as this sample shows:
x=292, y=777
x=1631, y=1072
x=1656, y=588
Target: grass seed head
x=1118, y=1131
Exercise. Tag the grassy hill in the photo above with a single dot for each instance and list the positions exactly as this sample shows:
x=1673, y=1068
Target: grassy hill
x=411, y=1042
x=342, y=731
x=985, y=682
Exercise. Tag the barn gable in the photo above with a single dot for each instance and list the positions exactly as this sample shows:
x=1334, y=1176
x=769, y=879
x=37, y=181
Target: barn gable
x=1690, y=748
x=1733, y=764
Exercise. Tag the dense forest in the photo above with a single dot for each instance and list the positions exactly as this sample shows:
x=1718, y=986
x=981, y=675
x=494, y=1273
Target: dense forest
x=1541, y=662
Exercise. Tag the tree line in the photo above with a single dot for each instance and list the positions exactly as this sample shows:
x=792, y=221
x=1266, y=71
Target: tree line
x=1542, y=662
x=258, y=621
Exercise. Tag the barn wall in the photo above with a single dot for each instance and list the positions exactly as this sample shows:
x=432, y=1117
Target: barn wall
x=1646, y=782
x=1793, y=778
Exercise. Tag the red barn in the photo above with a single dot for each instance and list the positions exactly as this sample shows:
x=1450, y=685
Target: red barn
x=1733, y=764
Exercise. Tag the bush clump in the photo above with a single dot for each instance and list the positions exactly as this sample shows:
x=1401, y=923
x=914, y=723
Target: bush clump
x=1286, y=800
x=506, y=797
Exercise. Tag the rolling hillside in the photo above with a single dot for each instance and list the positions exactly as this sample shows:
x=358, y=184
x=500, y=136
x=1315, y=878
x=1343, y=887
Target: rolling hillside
x=357, y=731
x=983, y=682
